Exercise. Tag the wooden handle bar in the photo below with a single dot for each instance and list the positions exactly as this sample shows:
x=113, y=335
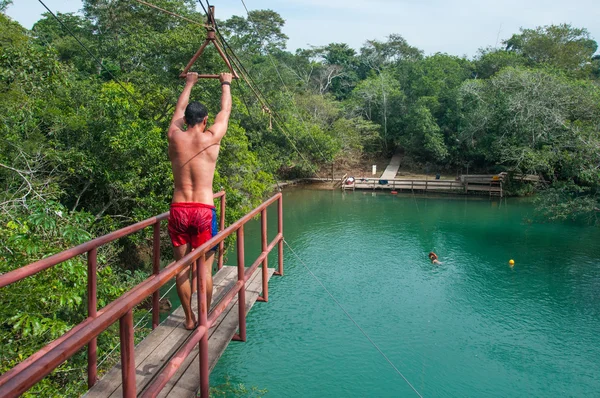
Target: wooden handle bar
x=184, y=75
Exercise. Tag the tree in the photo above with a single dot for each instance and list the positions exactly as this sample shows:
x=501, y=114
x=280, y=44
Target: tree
x=491, y=60
x=562, y=46
x=261, y=32
x=381, y=100
x=536, y=122
x=4, y=4
x=337, y=73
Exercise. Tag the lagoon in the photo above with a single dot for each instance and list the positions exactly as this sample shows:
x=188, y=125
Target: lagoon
x=471, y=327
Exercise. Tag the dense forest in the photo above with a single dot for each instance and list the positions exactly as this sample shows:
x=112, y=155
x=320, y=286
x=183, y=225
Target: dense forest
x=84, y=150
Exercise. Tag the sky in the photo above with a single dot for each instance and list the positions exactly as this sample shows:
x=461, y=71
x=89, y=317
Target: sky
x=457, y=27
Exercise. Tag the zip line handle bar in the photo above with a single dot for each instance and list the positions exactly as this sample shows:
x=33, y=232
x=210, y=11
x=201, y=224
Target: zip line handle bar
x=184, y=75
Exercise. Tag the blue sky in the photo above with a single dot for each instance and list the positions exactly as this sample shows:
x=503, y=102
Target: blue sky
x=458, y=27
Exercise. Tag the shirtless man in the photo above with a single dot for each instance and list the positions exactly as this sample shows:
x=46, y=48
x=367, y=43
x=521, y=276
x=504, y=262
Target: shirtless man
x=193, y=153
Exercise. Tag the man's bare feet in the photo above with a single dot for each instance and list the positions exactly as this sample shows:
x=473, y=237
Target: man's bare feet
x=191, y=324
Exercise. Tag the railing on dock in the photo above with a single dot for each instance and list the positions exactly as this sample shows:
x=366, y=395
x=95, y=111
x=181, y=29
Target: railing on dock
x=405, y=184
x=466, y=184
x=27, y=373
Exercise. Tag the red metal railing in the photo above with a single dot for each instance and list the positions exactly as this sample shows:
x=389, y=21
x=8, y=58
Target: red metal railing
x=23, y=376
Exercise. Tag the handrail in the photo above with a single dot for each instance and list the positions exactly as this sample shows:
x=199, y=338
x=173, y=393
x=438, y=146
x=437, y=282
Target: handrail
x=154, y=388
x=33, y=268
x=403, y=180
x=23, y=376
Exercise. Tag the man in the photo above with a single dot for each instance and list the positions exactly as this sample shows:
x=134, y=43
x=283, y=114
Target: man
x=193, y=153
x=434, y=258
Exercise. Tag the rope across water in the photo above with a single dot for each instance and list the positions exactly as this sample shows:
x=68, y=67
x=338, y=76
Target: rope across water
x=353, y=321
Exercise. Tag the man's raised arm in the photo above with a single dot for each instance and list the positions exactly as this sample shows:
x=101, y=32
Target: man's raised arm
x=219, y=128
x=177, y=122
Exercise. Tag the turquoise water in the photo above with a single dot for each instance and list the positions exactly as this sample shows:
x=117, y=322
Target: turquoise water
x=472, y=327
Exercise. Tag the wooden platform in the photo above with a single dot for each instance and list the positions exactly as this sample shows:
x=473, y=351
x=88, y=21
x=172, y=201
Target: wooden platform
x=492, y=188
x=392, y=169
x=152, y=353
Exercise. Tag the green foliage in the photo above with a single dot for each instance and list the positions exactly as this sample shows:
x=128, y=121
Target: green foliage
x=43, y=307
x=4, y=4
x=261, y=31
x=82, y=154
x=424, y=133
x=490, y=61
x=538, y=122
x=562, y=46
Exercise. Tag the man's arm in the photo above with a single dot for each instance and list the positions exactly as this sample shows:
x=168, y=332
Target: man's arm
x=219, y=128
x=177, y=122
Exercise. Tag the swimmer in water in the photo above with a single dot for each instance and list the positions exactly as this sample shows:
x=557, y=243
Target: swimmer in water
x=434, y=258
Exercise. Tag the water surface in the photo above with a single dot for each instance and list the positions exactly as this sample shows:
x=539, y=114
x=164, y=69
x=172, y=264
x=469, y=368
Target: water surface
x=471, y=327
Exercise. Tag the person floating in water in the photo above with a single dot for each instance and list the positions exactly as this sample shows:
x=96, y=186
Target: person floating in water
x=434, y=258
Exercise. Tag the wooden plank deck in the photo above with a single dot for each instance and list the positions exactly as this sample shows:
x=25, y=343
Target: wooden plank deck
x=442, y=186
x=411, y=185
x=392, y=169
x=153, y=353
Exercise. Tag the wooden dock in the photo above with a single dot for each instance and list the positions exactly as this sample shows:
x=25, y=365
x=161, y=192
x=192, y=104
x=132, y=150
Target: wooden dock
x=153, y=353
x=392, y=169
x=475, y=186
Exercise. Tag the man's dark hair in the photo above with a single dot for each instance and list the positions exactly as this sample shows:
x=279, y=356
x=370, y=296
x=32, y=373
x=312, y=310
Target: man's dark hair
x=195, y=112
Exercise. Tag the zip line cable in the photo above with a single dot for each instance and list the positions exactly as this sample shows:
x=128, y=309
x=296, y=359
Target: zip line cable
x=247, y=78
x=282, y=81
x=250, y=81
x=352, y=319
x=324, y=158
x=234, y=60
x=239, y=86
x=262, y=100
x=172, y=13
x=90, y=53
x=105, y=357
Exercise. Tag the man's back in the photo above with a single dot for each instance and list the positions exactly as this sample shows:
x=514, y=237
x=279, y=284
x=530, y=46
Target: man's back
x=193, y=155
x=194, y=152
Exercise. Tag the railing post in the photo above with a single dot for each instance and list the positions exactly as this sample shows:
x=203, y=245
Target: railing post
x=92, y=348
x=203, y=321
x=127, y=355
x=242, y=293
x=155, y=271
x=195, y=280
x=280, y=231
x=265, y=271
x=221, y=227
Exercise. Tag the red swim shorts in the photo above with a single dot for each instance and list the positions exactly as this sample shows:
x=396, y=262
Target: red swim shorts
x=193, y=223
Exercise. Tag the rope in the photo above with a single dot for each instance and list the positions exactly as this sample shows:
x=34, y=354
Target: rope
x=235, y=61
x=173, y=14
x=353, y=321
x=261, y=98
x=264, y=102
x=90, y=53
x=283, y=82
x=134, y=327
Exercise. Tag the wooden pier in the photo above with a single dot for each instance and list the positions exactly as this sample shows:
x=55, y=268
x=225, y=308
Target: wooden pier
x=466, y=185
x=155, y=351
